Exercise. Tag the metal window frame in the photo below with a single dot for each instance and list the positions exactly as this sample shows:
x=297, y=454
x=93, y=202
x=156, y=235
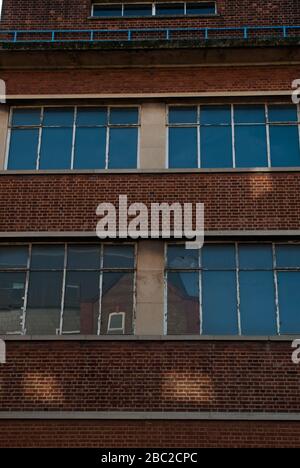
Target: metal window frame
x=154, y=4
x=74, y=127
x=267, y=124
x=274, y=269
x=101, y=270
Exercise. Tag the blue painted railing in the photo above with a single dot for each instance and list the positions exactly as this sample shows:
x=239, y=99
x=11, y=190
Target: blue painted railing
x=128, y=35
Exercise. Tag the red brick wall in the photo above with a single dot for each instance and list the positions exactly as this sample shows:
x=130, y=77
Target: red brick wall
x=30, y=14
x=150, y=376
x=166, y=80
x=151, y=434
x=233, y=201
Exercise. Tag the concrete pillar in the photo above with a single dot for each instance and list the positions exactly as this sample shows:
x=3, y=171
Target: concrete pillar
x=150, y=288
x=4, y=116
x=153, y=136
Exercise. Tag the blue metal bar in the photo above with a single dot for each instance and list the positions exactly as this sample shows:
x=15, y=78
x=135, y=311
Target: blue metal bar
x=208, y=33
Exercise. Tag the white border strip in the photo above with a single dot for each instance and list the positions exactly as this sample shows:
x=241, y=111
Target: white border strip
x=151, y=415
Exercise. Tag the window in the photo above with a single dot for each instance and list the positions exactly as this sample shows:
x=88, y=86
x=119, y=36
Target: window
x=73, y=138
x=51, y=289
x=153, y=9
x=233, y=289
x=229, y=136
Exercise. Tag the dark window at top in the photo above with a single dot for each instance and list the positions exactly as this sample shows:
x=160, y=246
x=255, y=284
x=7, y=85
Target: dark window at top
x=109, y=10
x=170, y=9
x=138, y=10
x=201, y=8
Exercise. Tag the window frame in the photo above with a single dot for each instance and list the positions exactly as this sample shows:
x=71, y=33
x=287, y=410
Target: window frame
x=40, y=128
x=153, y=4
x=102, y=270
x=275, y=270
x=233, y=126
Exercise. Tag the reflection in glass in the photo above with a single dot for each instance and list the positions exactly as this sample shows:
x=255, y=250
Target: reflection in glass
x=183, y=303
x=12, y=290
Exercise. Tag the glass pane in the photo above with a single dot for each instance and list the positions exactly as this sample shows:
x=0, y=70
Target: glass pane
x=44, y=303
x=183, y=304
x=90, y=148
x=81, y=310
x=182, y=115
x=169, y=9
x=288, y=256
x=123, y=148
x=23, y=149
x=84, y=257
x=118, y=256
x=91, y=116
x=284, y=146
x=56, y=148
x=13, y=256
x=286, y=113
x=12, y=291
x=212, y=115
x=181, y=258
x=110, y=10
x=257, y=307
x=26, y=117
x=249, y=114
x=219, y=257
x=47, y=257
x=216, y=147
x=62, y=117
x=219, y=296
x=289, y=302
x=117, y=296
x=251, y=146
x=256, y=256
x=138, y=10
x=124, y=115
x=183, y=148
x=200, y=8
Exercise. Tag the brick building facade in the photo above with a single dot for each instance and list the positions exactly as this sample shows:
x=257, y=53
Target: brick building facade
x=165, y=102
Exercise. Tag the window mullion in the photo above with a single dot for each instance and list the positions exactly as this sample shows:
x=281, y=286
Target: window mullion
x=199, y=136
x=23, y=330
x=107, y=138
x=268, y=135
x=74, y=137
x=63, y=290
x=100, y=289
x=200, y=291
x=40, y=139
x=276, y=288
x=237, y=267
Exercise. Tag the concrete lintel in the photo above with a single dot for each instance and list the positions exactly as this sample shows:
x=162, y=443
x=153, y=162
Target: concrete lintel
x=142, y=416
x=189, y=338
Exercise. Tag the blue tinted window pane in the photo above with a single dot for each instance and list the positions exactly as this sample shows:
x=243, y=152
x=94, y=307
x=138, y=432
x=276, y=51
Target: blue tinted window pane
x=283, y=113
x=138, y=10
x=84, y=257
x=200, y=8
x=288, y=256
x=47, y=257
x=256, y=256
x=12, y=291
x=183, y=304
x=216, y=257
x=93, y=116
x=251, y=146
x=219, y=298
x=257, y=307
x=289, y=300
x=26, y=117
x=23, y=149
x=181, y=258
x=106, y=11
x=284, y=146
x=212, y=115
x=90, y=148
x=123, y=148
x=58, y=117
x=56, y=148
x=183, y=148
x=216, y=147
x=170, y=9
x=118, y=256
x=119, y=116
x=249, y=114
x=182, y=115
x=13, y=256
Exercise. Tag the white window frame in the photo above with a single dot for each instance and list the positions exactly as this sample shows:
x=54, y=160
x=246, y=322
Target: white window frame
x=40, y=127
x=233, y=125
